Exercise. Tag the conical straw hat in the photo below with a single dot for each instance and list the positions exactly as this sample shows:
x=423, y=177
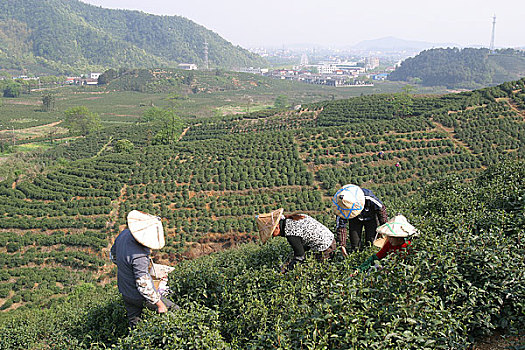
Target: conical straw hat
x=380, y=242
x=398, y=226
x=146, y=229
x=267, y=223
x=349, y=201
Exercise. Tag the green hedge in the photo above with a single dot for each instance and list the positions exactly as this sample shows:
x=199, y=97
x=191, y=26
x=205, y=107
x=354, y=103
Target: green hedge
x=464, y=279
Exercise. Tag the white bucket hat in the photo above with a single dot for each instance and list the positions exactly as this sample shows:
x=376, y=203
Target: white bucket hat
x=267, y=223
x=146, y=229
x=398, y=226
x=349, y=201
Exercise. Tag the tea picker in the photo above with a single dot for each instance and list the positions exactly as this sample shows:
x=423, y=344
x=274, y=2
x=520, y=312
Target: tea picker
x=357, y=208
x=391, y=237
x=302, y=232
x=131, y=252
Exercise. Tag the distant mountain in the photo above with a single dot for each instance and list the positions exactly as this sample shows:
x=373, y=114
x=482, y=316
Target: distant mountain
x=466, y=68
x=395, y=44
x=69, y=35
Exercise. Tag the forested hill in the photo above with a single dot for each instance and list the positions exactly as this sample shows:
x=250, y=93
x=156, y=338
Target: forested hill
x=67, y=35
x=466, y=68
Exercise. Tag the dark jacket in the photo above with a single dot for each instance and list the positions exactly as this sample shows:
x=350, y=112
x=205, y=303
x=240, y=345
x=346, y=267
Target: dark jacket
x=372, y=207
x=132, y=259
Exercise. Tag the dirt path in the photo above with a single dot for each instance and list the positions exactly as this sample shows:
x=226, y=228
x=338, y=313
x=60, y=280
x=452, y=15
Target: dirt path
x=34, y=128
x=112, y=221
x=184, y=133
x=51, y=124
x=450, y=133
x=499, y=342
x=104, y=147
x=516, y=109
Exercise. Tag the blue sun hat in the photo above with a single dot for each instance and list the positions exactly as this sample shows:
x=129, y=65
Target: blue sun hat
x=349, y=201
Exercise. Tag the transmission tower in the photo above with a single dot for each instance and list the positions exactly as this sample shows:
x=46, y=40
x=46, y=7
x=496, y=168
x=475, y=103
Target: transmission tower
x=491, y=48
x=206, y=63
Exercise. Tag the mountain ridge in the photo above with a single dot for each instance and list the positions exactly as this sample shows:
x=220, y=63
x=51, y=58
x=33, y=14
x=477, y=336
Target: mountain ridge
x=72, y=35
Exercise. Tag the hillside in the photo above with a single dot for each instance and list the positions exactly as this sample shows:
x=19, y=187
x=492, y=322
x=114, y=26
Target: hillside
x=56, y=226
x=71, y=36
x=462, y=68
x=183, y=81
x=226, y=169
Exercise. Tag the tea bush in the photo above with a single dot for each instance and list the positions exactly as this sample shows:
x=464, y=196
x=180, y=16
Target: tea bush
x=465, y=278
x=88, y=318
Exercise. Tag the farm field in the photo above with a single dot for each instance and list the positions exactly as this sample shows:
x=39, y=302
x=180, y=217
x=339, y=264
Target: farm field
x=224, y=170
x=470, y=285
x=116, y=105
x=26, y=127
x=57, y=225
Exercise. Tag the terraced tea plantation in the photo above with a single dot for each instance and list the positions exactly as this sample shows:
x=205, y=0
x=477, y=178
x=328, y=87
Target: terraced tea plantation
x=55, y=229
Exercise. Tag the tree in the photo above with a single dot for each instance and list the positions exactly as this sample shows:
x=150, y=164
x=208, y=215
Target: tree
x=124, y=146
x=107, y=76
x=189, y=78
x=81, y=121
x=171, y=125
x=4, y=146
x=402, y=102
x=48, y=102
x=408, y=89
x=12, y=90
x=280, y=101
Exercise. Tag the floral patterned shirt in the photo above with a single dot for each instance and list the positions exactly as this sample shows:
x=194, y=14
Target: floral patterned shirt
x=315, y=235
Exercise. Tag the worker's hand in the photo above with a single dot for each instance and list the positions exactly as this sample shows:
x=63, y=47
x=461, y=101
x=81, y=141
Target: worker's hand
x=161, y=307
x=343, y=250
x=353, y=274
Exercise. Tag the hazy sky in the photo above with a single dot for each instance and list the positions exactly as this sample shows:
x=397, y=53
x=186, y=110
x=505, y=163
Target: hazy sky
x=252, y=23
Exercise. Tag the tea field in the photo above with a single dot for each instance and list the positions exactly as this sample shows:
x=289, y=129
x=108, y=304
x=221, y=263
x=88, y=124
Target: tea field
x=56, y=227
x=463, y=280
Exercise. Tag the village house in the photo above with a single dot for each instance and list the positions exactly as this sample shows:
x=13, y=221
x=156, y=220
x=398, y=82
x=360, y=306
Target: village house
x=187, y=66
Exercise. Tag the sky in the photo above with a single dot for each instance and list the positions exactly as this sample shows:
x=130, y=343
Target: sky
x=257, y=23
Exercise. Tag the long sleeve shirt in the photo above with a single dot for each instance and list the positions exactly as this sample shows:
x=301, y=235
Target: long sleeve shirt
x=132, y=259
x=373, y=208
x=387, y=248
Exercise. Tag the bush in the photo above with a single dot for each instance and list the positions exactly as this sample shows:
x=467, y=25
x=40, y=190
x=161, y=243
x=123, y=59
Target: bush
x=12, y=247
x=464, y=279
x=193, y=327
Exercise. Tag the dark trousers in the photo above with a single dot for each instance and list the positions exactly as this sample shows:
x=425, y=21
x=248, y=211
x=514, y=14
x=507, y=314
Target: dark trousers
x=326, y=254
x=299, y=253
x=134, y=308
x=355, y=230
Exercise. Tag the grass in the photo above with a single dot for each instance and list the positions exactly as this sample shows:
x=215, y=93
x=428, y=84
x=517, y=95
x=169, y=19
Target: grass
x=240, y=109
x=29, y=147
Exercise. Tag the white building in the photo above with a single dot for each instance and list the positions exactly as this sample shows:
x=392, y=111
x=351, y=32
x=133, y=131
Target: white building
x=187, y=66
x=253, y=70
x=304, y=60
x=350, y=68
x=371, y=62
x=94, y=75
